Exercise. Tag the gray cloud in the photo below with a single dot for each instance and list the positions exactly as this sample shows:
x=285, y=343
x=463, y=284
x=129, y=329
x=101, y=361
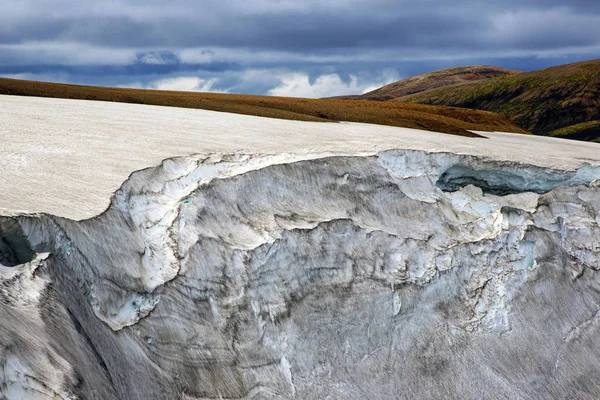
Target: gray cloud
x=310, y=25
x=290, y=34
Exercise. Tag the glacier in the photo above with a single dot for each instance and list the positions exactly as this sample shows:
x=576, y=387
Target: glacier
x=404, y=272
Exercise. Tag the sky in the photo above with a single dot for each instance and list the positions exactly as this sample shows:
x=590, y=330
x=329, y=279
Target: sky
x=303, y=48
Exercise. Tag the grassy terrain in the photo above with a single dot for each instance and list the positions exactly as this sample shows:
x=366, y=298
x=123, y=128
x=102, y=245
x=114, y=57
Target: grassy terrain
x=540, y=101
x=433, y=118
x=432, y=80
x=588, y=131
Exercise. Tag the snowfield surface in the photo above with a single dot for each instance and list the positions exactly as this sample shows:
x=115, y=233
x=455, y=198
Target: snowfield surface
x=67, y=157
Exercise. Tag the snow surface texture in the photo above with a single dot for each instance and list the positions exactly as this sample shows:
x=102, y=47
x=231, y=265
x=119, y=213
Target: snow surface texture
x=400, y=274
x=74, y=154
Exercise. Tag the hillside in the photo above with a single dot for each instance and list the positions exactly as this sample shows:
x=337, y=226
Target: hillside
x=543, y=101
x=587, y=131
x=433, y=80
x=433, y=118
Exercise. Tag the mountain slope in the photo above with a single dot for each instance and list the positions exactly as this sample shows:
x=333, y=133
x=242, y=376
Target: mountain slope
x=438, y=119
x=433, y=80
x=587, y=131
x=541, y=101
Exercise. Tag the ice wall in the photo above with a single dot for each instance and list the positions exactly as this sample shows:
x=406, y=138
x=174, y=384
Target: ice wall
x=402, y=274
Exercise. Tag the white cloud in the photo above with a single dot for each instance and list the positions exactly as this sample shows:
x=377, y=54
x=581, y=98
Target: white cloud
x=187, y=84
x=299, y=85
x=275, y=82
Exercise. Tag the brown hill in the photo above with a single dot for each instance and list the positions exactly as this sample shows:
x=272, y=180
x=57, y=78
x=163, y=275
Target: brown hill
x=434, y=118
x=556, y=101
x=432, y=80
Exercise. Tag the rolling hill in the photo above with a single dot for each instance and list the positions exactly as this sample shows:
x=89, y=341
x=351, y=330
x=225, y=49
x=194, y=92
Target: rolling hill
x=562, y=101
x=432, y=80
x=433, y=118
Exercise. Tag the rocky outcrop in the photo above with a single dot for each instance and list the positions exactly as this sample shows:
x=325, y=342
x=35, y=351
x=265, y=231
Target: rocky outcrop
x=401, y=274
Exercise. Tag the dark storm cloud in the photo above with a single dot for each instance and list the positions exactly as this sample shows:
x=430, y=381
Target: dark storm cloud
x=289, y=32
x=151, y=37
x=306, y=26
